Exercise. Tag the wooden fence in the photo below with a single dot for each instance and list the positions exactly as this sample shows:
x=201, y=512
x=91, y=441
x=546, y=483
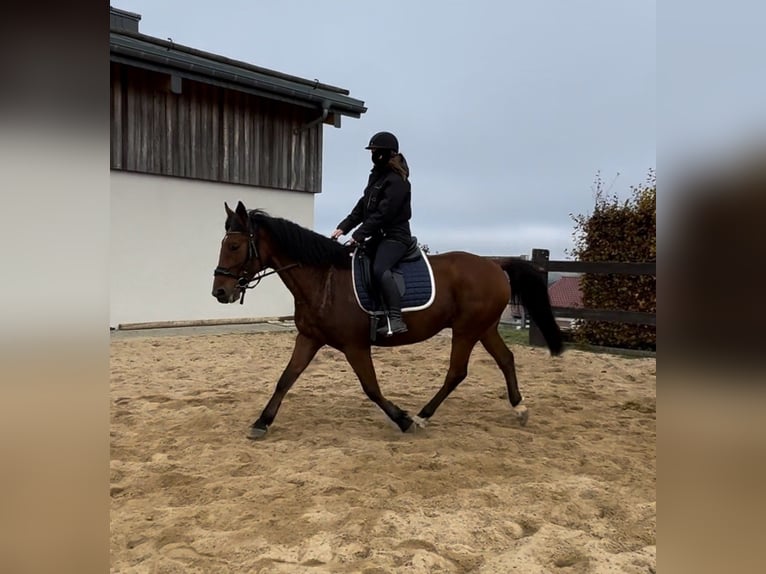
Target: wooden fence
x=540, y=258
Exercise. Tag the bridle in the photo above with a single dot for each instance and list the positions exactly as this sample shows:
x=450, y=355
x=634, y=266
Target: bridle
x=243, y=282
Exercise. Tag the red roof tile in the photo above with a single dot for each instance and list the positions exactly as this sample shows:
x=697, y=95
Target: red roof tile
x=566, y=292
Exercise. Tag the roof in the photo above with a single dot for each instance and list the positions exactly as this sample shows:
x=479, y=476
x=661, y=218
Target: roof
x=128, y=46
x=566, y=292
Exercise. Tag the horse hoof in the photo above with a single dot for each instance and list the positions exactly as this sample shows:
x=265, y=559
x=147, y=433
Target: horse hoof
x=419, y=422
x=256, y=432
x=523, y=414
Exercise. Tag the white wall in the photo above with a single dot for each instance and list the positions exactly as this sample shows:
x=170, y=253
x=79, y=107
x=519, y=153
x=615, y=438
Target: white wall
x=165, y=236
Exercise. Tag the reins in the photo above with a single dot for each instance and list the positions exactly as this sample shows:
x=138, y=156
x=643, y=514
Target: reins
x=242, y=281
x=245, y=284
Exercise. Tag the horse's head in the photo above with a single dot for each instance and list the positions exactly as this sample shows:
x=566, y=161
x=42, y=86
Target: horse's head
x=242, y=256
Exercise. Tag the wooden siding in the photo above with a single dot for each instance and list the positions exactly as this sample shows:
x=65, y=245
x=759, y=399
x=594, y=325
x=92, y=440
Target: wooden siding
x=211, y=133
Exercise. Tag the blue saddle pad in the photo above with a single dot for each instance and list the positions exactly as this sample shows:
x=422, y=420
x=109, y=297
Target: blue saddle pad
x=419, y=286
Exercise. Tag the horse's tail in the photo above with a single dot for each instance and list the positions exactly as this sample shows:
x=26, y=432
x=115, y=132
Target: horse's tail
x=529, y=288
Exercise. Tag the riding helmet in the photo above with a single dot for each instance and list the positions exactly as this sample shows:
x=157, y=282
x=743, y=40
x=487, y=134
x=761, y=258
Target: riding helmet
x=384, y=140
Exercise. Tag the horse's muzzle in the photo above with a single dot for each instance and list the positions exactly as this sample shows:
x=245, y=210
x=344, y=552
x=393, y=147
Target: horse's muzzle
x=222, y=297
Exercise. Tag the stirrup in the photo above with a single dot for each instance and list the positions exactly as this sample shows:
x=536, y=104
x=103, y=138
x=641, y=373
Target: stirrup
x=387, y=331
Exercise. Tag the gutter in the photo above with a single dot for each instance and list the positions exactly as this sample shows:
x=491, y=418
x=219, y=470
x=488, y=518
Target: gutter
x=325, y=96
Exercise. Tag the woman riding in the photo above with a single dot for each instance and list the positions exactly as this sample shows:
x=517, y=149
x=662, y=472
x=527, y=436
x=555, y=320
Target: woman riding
x=383, y=215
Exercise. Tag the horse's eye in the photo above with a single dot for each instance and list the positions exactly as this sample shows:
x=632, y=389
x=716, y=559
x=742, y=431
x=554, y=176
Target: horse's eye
x=234, y=246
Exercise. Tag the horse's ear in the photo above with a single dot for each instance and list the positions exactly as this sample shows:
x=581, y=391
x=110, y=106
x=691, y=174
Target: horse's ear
x=242, y=211
x=229, y=212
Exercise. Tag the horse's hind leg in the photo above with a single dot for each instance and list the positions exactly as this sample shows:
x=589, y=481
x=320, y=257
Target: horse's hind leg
x=304, y=351
x=361, y=361
x=458, y=370
x=495, y=346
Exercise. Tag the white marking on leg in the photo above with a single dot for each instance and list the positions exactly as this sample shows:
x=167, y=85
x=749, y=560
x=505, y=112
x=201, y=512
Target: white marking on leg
x=420, y=421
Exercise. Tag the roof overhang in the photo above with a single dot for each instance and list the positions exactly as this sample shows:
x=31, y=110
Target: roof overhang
x=147, y=52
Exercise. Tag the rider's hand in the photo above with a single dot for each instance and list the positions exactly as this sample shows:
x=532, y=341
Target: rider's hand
x=335, y=234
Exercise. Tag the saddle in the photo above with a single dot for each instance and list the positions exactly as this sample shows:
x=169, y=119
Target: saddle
x=413, y=277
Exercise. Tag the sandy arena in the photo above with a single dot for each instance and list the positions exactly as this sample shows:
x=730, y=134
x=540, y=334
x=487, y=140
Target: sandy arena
x=335, y=487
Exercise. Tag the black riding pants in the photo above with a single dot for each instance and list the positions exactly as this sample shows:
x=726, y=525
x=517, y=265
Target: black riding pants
x=388, y=253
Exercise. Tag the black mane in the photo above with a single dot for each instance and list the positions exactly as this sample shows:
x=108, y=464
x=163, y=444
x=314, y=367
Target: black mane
x=301, y=244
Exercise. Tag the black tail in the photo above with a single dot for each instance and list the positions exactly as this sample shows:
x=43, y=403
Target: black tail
x=529, y=289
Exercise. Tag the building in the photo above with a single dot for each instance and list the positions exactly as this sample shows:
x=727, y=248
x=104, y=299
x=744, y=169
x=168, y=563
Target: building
x=190, y=130
x=563, y=292
x=566, y=292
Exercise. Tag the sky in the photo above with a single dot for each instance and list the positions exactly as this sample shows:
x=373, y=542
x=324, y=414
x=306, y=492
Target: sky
x=505, y=110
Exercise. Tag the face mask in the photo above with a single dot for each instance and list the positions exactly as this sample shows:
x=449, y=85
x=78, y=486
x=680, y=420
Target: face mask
x=380, y=157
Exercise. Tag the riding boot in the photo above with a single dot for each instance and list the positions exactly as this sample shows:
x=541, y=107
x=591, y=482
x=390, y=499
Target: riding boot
x=392, y=300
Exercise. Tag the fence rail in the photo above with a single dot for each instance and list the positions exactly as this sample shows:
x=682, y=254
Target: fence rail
x=601, y=267
x=540, y=258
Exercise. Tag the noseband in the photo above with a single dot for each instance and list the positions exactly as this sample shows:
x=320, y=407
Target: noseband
x=243, y=282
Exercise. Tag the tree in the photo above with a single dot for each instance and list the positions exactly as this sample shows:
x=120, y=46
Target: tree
x=624, y=231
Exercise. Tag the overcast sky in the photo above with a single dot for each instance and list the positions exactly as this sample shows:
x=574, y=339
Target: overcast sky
x=504, y=110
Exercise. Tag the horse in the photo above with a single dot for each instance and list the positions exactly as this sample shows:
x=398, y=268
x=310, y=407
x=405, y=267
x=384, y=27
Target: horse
x=471, y=293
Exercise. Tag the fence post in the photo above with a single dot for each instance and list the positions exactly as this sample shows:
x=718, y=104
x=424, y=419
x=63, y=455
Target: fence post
x=540, y=259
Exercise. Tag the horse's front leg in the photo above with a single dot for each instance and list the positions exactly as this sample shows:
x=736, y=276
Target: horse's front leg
x=304, y=351
x=361, y=361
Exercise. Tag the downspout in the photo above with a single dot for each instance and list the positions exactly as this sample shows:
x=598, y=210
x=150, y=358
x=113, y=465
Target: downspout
x=319, y=120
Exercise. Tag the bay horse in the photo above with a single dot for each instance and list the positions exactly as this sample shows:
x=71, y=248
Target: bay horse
x=471, y=294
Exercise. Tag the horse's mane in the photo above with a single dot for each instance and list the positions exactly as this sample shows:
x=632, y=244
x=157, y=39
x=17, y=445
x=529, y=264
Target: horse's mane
x=301, y=244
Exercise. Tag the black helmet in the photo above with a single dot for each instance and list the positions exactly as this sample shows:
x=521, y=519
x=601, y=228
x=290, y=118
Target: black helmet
x=384, y=140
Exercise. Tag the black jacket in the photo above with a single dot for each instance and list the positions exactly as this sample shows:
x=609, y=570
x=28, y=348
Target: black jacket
x=384, y=210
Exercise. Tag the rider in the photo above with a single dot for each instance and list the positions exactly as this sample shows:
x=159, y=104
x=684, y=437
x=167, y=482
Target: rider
x=384, y=213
